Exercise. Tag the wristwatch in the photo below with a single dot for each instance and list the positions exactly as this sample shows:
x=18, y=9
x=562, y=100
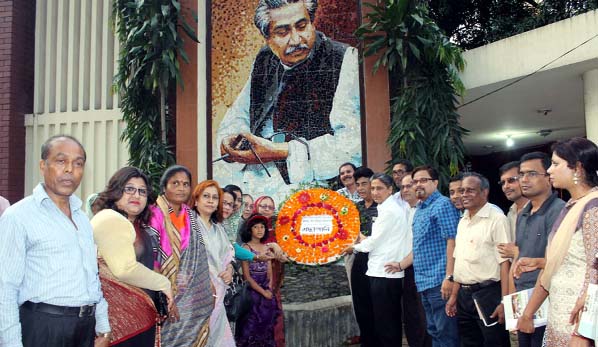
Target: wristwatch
x=450, y=278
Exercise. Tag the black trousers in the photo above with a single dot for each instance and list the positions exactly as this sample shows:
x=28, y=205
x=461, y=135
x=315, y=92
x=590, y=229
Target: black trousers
x=50, y=330
x=362, y=301
x=386, y=300
x=472, y=330
x=414, y=316
x=531, y=340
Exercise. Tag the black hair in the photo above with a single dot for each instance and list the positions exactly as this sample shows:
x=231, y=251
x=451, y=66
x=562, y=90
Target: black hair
x=384, y=178
x=484, y=183
x=251, y=221
x=171, y=171
x=544, y=158
x=584, y=151
x=508, y=166
x=233, y=188
x=47, y=145
x=406, y=162
x=347, y=164
x=363, y=172
x=115, y=189
x=429, y=169
x=230, y=191
x=456, y=178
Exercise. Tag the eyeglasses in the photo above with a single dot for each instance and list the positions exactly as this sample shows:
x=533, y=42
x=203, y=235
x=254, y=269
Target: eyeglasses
x=532, y=174
x=407, y=186
x=422, y=180
x=227, y=204
x=132, y=190
x=509, y=180
x=266, y=207
x=398, y=172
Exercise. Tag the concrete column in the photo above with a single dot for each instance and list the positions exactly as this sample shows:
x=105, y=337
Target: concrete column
x=590, y=96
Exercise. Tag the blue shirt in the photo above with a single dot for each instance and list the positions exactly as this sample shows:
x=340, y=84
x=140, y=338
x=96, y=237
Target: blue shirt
x=435, y=221
x=45, y=258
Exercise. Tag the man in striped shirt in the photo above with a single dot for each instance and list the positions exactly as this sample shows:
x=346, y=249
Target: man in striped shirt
x=50, y=291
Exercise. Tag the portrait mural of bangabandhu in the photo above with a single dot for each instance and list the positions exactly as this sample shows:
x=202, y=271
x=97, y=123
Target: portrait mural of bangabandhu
x=285, y=93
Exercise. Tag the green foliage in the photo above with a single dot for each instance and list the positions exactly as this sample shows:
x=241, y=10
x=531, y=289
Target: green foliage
x=473, y=23
x=148, y=66
x=423, y=66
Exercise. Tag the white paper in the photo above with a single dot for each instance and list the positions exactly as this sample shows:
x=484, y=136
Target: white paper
x=588, y=323
x=515, y=304
x=316, y=225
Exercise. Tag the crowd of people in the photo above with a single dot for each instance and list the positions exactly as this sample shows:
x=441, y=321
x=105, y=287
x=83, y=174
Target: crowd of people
x=144, y=270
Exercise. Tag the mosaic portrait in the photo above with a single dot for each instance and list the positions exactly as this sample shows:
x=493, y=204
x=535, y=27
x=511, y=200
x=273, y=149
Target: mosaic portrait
x=285, y=93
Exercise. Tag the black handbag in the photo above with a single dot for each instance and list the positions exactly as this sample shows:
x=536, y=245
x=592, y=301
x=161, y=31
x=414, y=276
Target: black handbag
x=237, y=300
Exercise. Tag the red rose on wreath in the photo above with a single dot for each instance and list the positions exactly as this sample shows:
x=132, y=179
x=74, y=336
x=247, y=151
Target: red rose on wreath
x=284, y=220
x=304, y=197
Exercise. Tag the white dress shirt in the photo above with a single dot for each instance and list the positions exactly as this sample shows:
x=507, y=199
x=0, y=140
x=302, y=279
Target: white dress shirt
x=391, y=239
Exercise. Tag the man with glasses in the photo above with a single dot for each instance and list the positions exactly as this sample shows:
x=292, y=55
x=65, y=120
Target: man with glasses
x=400, y=169
x=434, y=229
x=534, y=224
x=509, y=183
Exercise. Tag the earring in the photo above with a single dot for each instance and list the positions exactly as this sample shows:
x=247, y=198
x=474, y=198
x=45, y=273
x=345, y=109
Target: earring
x=575, y=178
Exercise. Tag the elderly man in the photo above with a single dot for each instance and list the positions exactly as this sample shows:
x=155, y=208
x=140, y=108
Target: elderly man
x=298, y=115
x=50, y=291
x=480, y=272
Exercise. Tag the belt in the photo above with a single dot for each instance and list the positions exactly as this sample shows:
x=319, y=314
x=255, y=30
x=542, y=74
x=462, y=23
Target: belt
x=477, y=286
x=83, y=311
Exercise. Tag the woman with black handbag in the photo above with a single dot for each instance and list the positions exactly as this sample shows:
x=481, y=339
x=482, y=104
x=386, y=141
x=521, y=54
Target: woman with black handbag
x=256, y=328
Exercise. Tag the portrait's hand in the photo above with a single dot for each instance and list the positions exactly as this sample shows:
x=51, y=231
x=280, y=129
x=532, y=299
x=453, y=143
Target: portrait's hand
x=525, y=265
x=499, y=312
x=579, y=341
x=508, y=250
x=267, y=150
x=451, y=306
x=268, y=294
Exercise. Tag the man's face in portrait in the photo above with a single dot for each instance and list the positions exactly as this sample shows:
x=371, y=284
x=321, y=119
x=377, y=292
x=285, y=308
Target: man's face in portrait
x=292, y=34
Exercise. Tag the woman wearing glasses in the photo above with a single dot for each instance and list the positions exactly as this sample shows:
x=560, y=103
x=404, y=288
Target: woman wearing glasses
x=570, y=263
x=126, y=259
x=181, y=257
x=208, y=203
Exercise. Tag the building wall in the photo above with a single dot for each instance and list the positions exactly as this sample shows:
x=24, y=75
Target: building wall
x=17, y=30
x=75, y=60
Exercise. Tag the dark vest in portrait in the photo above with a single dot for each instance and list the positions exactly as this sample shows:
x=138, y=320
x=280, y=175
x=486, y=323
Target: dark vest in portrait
x=298, y=100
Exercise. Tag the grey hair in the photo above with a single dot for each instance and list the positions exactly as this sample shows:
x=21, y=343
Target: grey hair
x=384, y=178
x=262, y=12
x=484, y=184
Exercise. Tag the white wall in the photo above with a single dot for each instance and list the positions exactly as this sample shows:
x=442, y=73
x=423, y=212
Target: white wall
x=75, y=60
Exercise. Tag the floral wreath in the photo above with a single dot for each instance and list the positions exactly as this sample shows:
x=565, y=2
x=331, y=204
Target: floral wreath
x=339, y=229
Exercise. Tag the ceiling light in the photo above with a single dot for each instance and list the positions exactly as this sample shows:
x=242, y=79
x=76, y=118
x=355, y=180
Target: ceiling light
x=510, y=141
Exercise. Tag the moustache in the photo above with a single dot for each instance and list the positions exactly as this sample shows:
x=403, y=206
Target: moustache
x=293, y=49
